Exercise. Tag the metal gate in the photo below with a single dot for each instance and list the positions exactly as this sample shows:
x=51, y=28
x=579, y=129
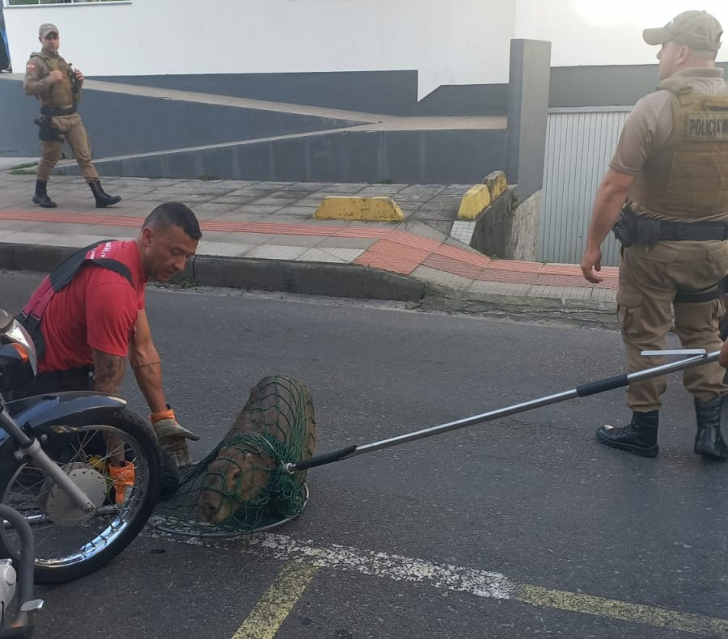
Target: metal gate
x=579, y=144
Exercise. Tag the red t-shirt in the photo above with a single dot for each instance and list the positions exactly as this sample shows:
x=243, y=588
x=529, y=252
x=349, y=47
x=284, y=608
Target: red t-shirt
x=98, y=310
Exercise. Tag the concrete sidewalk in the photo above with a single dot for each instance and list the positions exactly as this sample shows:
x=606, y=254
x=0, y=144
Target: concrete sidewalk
x=262, y=235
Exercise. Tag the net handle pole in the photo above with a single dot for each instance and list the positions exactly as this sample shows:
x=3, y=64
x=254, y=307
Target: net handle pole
x=592, y=388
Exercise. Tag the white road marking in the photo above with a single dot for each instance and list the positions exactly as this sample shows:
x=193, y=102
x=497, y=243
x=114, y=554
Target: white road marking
x=480, y=583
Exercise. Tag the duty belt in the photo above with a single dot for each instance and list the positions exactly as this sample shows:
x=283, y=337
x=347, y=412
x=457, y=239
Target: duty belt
x=697, y=231
x=53, y=111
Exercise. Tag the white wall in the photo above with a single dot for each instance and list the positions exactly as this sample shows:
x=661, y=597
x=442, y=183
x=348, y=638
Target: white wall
x=447, y=41
x=604, y=32
x=455, y=42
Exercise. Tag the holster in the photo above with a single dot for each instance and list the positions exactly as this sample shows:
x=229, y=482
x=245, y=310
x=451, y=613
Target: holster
x=48, y=133
x=625, y=228
x=645, y=231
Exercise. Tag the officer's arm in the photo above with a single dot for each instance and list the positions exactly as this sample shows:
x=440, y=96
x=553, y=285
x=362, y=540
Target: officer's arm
x=108, y=372
x=610, y=198
x=37, y=79
x=146, y=364
x=611, y=195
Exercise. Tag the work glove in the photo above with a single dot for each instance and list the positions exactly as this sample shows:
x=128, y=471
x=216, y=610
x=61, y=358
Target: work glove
x=172, y=437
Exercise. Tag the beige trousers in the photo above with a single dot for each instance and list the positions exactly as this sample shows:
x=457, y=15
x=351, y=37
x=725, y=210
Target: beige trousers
x=75, y=134
x=649, y=279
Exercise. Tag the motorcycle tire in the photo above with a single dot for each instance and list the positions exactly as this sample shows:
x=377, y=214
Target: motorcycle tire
x=88, y=542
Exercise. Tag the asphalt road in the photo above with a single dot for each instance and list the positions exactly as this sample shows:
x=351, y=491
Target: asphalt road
x=521, y=527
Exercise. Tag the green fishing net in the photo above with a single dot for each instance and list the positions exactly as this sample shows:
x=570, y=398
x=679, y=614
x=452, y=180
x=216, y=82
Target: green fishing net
x=241, y=486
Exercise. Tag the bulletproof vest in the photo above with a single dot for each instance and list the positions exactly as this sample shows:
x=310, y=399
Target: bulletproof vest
x=60, y=94
x=60, y=277
x=696, y=185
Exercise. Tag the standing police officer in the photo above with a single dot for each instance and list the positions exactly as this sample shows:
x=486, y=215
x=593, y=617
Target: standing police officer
x=57, y=85
x=671, y=166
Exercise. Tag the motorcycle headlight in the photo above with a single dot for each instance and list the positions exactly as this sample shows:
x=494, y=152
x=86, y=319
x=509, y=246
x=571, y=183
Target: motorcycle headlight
x=18, y=335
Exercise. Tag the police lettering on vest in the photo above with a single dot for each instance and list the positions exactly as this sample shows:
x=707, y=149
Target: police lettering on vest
x=704, y=127
x=696, y=186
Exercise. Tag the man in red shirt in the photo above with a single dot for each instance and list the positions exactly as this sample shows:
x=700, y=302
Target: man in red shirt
x=96, y=321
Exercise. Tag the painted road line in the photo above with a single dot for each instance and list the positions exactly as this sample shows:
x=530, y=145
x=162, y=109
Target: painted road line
x=378, y=564
x=633, y=613
x=276, y=604
x=480, y=583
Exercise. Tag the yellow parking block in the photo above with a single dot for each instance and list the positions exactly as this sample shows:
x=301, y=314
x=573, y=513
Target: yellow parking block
x=474, y=202
x=497, y=184
x=363, y=209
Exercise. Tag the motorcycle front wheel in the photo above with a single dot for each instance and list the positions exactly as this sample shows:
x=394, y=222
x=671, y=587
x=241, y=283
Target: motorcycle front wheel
x=68, y=542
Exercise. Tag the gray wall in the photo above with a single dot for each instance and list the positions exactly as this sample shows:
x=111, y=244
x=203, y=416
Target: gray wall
x=603, y=86
x=395, y=92
x=18, y=134
x=121, y=124
x=386, y=92
x=527, y=114
x=426, y=157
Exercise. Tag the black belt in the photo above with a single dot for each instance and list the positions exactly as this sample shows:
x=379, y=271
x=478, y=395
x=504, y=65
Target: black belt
x=46, y=110
x=697, y=231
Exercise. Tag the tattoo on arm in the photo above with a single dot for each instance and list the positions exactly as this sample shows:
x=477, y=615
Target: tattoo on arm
x=109, y=372
x=138, y=367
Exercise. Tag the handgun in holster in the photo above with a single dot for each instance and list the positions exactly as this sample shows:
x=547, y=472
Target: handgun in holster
x=633, y=229
x=625, y=228
x=47, y=133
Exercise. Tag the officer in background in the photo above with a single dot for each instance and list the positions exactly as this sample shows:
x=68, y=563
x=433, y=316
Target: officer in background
x=57, y=85
x=671, y=167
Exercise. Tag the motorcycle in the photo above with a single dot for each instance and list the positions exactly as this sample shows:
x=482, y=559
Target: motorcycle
x=56, y=472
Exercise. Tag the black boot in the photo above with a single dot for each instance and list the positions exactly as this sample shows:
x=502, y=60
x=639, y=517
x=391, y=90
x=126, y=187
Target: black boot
x=103, y=199
x=41, y=196
x=638, y=437
x=708, y=441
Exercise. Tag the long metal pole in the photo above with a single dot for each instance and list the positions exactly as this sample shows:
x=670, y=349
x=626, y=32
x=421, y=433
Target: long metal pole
x=584, y=390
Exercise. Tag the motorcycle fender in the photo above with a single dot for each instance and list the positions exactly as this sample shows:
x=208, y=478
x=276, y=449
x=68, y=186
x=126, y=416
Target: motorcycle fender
x=55, y=414
x=68, y=408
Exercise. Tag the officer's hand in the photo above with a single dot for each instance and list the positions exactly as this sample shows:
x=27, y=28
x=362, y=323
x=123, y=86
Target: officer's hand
x=591, y=263
x=55, y=76
x=172, y=437
x=79, y=76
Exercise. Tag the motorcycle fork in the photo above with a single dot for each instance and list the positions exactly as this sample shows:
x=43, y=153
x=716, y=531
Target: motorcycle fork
x=30, y=447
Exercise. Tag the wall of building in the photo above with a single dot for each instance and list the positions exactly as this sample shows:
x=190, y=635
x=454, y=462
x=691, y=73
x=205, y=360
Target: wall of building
x=408, y=157
x=456, y=42
x=121, y=124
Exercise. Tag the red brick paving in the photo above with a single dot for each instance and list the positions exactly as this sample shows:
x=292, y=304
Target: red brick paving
x=395, y=251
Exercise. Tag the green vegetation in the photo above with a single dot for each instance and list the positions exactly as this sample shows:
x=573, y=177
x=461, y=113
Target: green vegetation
x=23, y=169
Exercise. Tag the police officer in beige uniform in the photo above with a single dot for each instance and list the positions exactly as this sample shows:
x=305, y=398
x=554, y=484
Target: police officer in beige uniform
x=671, y=167
x=57, y=85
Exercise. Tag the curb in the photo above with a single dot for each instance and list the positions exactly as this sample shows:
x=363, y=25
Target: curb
x=347, y=281
x=308, y=278
x=558, y=310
